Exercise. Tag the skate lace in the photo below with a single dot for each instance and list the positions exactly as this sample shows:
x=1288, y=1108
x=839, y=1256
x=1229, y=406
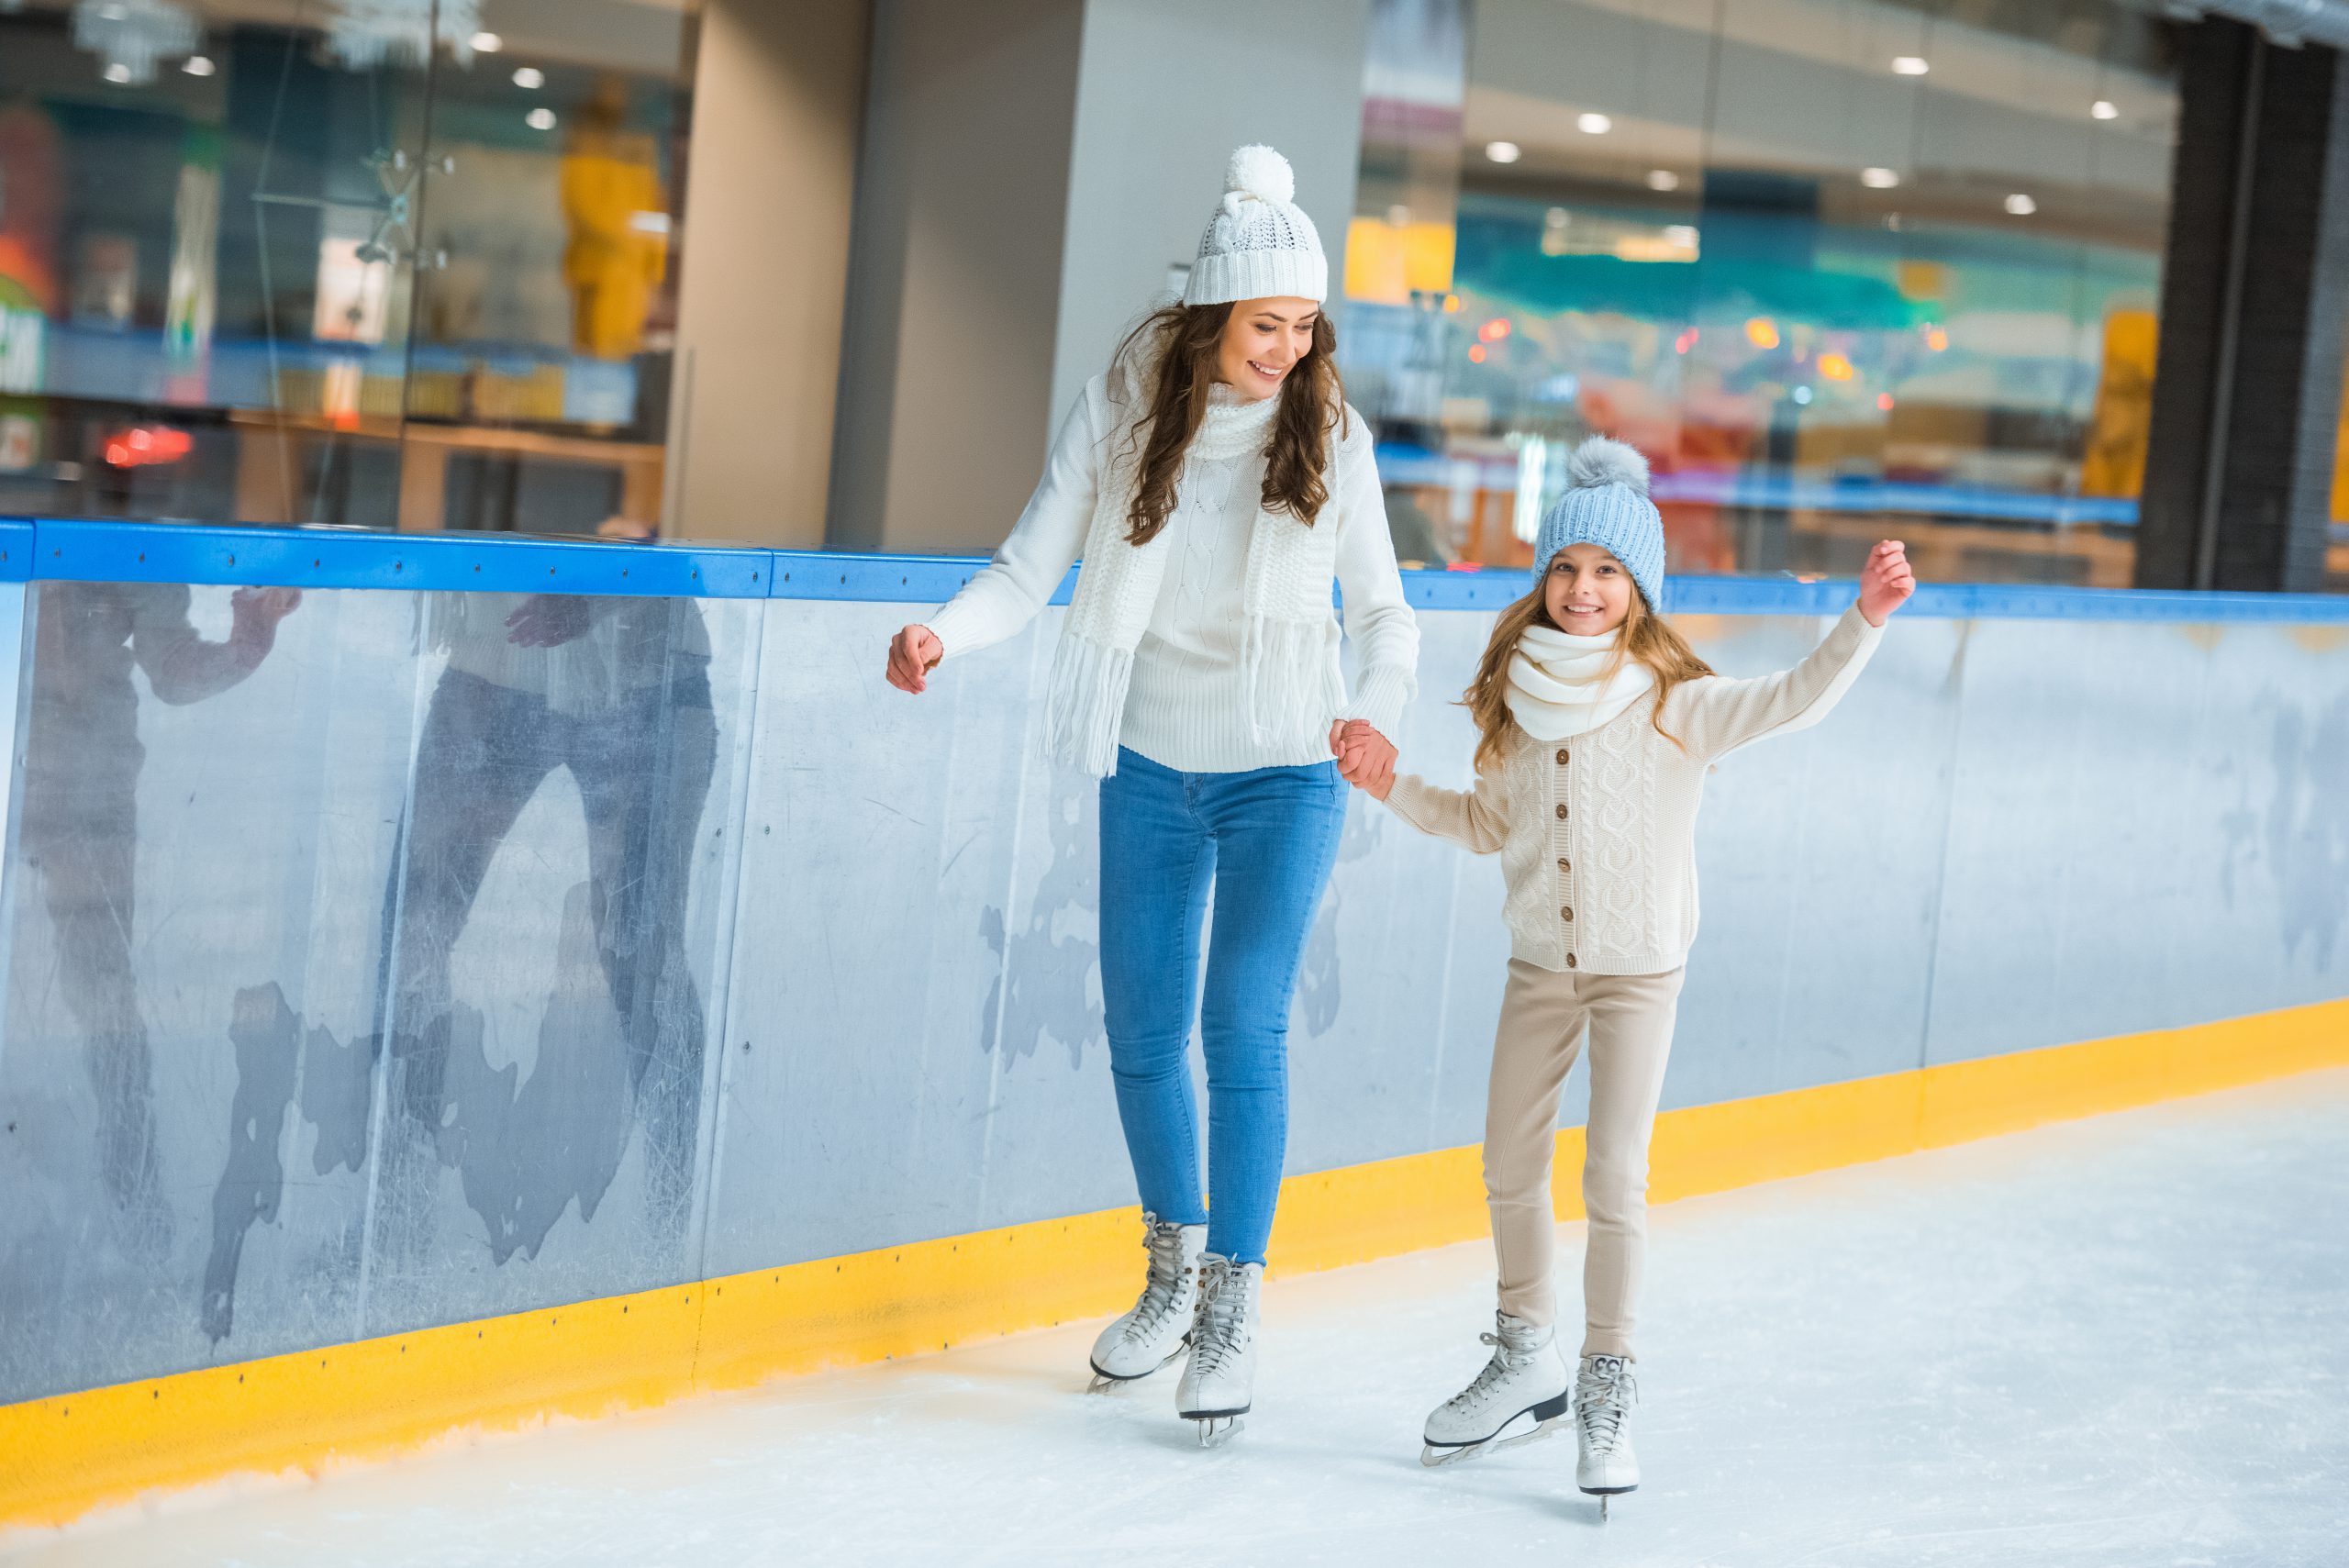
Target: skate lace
x=1603, y=1400
x=1161, y=1289
x=1218, y=1329
x=1495, y=1370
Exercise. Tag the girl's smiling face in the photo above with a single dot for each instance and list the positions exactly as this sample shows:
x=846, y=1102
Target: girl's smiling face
x=1262, y=343
x=1588, y=591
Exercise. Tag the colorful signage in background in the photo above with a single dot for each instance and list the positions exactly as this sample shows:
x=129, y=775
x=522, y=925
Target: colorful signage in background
x=31, y=195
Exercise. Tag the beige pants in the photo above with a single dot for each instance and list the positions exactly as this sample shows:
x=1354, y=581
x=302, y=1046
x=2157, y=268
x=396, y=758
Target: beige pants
x=1544, y=1015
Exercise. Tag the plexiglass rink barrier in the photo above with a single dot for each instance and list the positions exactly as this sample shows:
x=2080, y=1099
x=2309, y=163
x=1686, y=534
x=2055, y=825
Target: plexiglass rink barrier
x=396, y=932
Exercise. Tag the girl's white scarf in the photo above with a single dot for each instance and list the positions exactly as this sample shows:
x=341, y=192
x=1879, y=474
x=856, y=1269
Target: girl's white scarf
x=1292, y=681
x=1558, y=683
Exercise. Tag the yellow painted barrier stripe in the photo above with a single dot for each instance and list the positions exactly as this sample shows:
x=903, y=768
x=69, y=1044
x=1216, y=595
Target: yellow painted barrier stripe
x=62, y=1457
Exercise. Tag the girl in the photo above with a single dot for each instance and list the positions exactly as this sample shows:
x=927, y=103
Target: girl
x=1599, y=724
x=1217, y=485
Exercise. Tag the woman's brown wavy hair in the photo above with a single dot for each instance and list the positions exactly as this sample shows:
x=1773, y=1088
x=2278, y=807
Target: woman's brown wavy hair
x=1646, y=636
x=1175, y=351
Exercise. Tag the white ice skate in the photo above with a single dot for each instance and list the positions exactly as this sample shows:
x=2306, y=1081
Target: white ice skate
x=1519, y=1395
x=1159, y=1327
x=1219, y=1381
x=1604, y=1395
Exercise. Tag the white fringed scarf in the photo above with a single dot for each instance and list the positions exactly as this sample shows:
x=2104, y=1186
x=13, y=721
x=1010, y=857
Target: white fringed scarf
x=1558, y=683
x=1286, y=666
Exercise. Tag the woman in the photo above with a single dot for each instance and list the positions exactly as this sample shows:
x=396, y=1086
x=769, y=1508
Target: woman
x=1217, y=485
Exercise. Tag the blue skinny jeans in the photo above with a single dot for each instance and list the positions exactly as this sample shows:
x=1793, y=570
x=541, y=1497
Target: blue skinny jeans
x=1264, y=841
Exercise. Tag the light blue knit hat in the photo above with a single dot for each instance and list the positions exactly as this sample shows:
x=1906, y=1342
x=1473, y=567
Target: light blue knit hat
x=1607, y=503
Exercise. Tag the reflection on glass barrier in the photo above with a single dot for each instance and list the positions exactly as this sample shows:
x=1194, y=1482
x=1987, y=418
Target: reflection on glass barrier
x=344, y=262
x=77, y=830
x=360, y=950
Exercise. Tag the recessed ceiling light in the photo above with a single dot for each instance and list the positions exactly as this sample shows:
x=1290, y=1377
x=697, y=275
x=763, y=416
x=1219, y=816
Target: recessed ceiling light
x=1594, y=125
x=198, y=65
x=1662, y=180
x=1503, y=151
x=116, y=73
x=541, y=119
x=1880, y=179
x=2022, y=206
x=487, y=43
x=1910, y=65
x=529, y=76
x=2105, y=109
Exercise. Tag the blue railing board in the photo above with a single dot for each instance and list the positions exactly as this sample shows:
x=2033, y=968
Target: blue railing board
x=92, y=551
x=85, y=549
x=16, y=550
x=883, y=579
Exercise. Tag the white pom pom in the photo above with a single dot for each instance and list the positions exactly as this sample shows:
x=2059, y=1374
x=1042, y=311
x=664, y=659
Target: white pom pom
x=1260, y=173
x=1601, y=461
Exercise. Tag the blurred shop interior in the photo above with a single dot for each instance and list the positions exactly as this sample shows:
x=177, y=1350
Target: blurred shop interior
x=2049, y=288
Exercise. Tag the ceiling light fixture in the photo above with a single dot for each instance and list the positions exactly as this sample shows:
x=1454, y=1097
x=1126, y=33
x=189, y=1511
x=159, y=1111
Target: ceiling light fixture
x=1662, y=180
x=1503, y=151
x=1594, y=124
x=1910, y=65
x=1880, y=179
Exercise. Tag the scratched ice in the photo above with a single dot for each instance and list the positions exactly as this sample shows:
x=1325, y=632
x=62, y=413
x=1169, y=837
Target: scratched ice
x=2114, y=1343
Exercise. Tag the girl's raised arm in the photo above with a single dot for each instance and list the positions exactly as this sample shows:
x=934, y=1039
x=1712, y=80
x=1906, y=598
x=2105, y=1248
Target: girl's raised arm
x=1715, y=717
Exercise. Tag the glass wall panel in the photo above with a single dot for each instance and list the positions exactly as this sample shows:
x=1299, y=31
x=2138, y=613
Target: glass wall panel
x=384, y=263
x=1843, y=268
x=360, y=952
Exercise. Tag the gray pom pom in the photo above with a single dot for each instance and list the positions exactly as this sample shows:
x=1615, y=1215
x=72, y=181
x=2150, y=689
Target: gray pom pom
x=1601, y=461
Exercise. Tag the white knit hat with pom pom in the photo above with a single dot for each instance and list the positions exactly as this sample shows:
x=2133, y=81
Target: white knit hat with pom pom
x=1259, y=245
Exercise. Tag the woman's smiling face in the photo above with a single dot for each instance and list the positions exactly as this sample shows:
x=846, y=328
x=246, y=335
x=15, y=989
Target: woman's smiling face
x=1587, y=592
x=1262, y=342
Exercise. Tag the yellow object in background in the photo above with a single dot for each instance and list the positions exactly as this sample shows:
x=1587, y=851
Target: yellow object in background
x=2341, y=458
x=617, y=215
x=2122, y=425
x=1387, y=262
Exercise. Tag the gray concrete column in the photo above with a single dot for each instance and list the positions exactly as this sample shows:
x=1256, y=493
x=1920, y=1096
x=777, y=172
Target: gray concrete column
x=778, y=93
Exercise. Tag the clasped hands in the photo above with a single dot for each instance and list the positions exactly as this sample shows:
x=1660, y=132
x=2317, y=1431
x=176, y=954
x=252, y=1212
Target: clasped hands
x=1366, y=758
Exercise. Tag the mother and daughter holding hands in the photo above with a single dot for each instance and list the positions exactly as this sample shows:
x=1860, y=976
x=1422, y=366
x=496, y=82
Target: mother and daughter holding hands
x=1217, y=485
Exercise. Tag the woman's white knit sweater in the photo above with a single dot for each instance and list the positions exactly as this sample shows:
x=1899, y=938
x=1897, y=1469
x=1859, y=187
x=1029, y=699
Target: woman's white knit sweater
x=1187, y=707
x=1597, y=833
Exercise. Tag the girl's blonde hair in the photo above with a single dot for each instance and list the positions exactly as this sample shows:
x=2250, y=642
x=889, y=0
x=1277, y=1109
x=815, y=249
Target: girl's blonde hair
x=1644, y=635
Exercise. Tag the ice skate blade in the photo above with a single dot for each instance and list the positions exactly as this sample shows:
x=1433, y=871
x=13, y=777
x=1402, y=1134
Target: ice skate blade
x=1105, y=1381
x=1433, y=1454
x=1217, y=1431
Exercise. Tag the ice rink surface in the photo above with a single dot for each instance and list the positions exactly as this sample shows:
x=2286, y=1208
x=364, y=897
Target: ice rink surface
x=2121, y=1341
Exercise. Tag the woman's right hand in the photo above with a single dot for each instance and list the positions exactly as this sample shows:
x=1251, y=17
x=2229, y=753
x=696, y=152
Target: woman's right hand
x=913, y=654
